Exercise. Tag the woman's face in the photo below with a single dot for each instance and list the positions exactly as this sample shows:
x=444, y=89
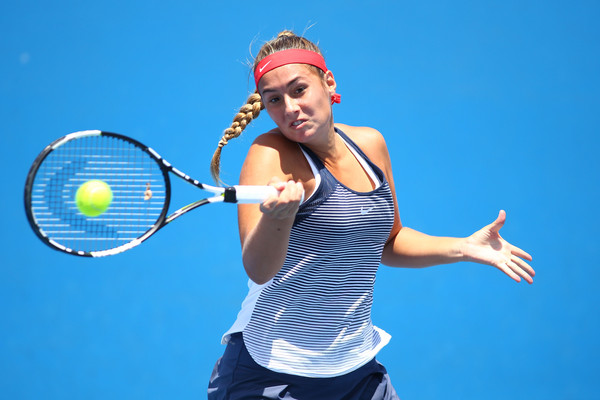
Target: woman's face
x=298, y=100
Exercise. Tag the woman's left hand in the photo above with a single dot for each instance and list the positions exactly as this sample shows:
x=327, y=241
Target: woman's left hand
x=486, y=246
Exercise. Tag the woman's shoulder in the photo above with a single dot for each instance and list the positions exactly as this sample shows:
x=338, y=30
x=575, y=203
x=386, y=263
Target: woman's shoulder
x=274, y=155
x=275, y=146
x=275, y=140
x=357, y=130
x=370, y=140
x=362, y=135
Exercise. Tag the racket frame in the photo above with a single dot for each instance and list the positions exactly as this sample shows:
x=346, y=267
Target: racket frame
x=231, y=194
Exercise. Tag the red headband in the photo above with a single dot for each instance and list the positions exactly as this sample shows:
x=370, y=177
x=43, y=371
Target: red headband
x=291, y=56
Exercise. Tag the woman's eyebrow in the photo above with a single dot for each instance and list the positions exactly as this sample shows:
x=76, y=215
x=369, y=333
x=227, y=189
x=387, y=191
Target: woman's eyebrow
x=290, y=83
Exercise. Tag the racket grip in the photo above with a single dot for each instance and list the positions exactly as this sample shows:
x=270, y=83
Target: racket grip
x=254, y=194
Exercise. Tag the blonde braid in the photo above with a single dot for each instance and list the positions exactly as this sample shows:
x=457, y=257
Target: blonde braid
x=247, y=113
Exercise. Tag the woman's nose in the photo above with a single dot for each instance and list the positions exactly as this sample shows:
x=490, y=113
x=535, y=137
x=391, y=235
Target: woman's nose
x=291, y=105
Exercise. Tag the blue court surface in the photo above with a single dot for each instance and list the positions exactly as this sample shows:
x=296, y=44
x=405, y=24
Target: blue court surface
x=484, y=106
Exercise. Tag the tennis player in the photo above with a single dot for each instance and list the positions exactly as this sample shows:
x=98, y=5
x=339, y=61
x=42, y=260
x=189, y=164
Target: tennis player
x=304, y=330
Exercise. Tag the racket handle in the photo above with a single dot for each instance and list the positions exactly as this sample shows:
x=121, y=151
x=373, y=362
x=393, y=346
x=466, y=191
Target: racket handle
x=254, y=194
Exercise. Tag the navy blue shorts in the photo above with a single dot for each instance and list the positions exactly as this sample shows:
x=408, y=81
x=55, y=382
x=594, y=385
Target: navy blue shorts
x=237, y=376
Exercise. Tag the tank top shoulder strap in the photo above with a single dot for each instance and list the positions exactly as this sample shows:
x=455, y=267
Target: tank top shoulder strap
x=325, y=184
x=362, y=158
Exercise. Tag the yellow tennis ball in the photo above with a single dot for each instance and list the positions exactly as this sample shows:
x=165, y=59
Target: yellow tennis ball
x=93, y=198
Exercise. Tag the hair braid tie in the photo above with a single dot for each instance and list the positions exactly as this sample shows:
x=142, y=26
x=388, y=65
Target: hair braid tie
x=222, y=142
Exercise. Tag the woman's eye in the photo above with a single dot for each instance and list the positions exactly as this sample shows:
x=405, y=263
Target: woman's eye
x=300, y=89
x=273, y=100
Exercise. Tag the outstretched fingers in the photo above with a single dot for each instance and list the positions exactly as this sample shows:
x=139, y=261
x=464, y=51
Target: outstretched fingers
x=506, y=268
x=521, y=253
x=517, y=269
x=523, y=266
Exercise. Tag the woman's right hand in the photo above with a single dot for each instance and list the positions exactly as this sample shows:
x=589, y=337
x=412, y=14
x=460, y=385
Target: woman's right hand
x=284, y=206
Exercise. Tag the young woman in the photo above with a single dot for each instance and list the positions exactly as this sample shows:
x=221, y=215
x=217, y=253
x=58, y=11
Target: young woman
x=305, y=330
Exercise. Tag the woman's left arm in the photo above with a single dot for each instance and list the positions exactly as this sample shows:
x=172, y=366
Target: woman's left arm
x=409, y=248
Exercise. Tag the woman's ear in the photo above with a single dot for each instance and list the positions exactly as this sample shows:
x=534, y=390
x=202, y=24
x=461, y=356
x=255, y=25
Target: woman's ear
x=331, y=86
x=330, y=82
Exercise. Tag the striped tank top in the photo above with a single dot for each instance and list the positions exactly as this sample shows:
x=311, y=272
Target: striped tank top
x=313, y=318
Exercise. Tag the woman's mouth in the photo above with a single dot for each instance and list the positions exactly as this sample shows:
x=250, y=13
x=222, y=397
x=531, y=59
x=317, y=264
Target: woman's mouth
x=297, y=123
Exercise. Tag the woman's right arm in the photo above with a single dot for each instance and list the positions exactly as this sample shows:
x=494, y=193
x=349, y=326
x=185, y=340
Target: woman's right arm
x=265, y=228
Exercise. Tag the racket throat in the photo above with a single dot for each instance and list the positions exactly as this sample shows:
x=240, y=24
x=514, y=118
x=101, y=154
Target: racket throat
x=230, y=195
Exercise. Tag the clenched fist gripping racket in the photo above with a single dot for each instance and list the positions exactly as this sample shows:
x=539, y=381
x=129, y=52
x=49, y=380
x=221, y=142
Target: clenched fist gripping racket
x=139, y=179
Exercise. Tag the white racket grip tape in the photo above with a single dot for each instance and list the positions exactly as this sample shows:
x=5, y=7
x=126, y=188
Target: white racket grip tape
x=254, y=194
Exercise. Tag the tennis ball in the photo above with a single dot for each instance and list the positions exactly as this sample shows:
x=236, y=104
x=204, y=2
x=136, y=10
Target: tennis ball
x=93, y=198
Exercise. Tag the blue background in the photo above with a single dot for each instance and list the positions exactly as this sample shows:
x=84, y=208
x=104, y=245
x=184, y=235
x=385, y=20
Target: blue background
x=484, y=105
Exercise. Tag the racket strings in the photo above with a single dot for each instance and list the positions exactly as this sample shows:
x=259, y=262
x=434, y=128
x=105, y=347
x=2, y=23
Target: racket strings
x=129, y=171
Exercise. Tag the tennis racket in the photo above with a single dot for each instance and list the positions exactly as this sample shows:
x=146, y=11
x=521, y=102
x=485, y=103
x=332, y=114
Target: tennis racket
x=140, y=182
